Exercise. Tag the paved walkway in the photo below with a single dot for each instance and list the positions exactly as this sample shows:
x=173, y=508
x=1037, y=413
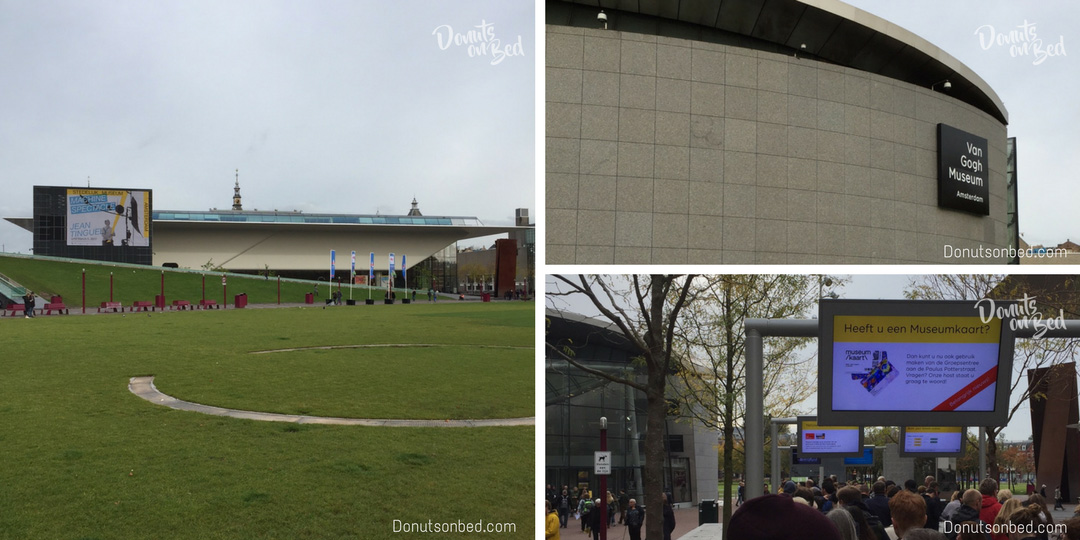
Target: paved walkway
x=686, y=520
x=93, y=310
x=1059, y=515
x=144, y=388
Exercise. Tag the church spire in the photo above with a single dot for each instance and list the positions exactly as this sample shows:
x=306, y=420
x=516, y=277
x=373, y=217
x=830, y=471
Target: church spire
x=236, y=193
x=415, y=211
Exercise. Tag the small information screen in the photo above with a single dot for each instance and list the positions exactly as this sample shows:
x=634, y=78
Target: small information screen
x=933, y=441
x=817, y=440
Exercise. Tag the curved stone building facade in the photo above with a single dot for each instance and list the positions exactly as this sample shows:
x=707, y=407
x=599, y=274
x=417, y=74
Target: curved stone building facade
x=728, y=147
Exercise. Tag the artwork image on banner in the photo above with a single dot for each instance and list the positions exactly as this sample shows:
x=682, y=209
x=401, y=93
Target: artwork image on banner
x=100, y=217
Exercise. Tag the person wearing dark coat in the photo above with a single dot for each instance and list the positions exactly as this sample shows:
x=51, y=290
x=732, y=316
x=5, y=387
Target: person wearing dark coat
x=563, y=505
x=669, y=518
x=634, y=518
x=934, y=506
x=851, y=500
x=970, y=504
x=594, y=520
x=879, y=504
x=28, y=304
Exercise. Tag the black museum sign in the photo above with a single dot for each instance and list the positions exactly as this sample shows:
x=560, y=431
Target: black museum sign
x=962, y=171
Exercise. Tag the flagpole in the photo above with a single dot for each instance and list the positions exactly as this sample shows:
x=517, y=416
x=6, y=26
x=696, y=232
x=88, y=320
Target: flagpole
x=330, y=282
x=390, y=282
x=371, y=275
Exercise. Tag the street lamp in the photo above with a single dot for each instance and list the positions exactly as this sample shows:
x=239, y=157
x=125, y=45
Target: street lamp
x=603, y=482
x=945, y=84
x=825, y=281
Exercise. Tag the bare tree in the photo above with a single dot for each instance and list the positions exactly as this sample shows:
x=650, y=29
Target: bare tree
x=1030, y=354
x=712, y=375
x=645, y=310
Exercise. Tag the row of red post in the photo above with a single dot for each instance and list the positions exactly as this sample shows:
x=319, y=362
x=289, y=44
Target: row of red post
x=224, y=289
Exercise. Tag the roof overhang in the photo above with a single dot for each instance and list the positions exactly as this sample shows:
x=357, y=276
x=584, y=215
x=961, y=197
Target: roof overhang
x=461, y=232
x=581, y=330
x=832, y=31
x=24, y=222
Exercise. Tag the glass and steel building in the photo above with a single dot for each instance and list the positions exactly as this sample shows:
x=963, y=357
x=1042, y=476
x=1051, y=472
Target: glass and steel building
x=575, y=401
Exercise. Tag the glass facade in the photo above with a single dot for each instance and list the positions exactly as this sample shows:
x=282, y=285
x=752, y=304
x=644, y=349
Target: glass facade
x=297, y=217
x=1011, y=194
x=575, y=402
x=51, y=238
x=438, y=271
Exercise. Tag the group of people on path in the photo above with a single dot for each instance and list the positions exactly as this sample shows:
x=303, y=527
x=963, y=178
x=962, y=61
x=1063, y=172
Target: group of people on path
x=579, y=503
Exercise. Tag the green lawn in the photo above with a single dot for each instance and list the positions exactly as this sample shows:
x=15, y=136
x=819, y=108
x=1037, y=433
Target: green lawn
x=49, y=277
x=84, y=458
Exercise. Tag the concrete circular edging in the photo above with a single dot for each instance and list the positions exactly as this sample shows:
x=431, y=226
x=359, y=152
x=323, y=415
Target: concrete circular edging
x=144, y=388
x=389, y=346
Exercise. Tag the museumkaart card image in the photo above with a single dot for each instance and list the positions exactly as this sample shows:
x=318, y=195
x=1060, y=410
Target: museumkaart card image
x=882, y=373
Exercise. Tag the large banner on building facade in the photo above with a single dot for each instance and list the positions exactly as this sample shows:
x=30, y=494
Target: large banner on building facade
x=108, y=217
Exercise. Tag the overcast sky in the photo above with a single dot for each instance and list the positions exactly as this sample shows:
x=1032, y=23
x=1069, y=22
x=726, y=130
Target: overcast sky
x=864, y=287
x=1042, y=99
x=336, y=106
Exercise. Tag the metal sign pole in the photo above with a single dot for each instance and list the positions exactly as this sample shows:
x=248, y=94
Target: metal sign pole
x=754, y=424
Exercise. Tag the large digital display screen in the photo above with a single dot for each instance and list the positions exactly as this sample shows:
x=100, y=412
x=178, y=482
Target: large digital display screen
x=108, y=217
x=880, y=361
x=941, y=441
x=821, y=440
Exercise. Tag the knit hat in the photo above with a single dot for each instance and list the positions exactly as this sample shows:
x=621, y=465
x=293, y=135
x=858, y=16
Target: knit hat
x=789, y=487
x=774, y=517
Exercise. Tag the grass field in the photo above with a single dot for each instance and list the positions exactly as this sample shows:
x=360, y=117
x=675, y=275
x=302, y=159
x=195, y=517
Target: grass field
x=49, y=277
x=85, y=459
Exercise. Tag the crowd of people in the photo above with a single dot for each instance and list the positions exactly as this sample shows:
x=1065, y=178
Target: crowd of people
x=836, y=510
x=579, y=504
x=888, y=511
